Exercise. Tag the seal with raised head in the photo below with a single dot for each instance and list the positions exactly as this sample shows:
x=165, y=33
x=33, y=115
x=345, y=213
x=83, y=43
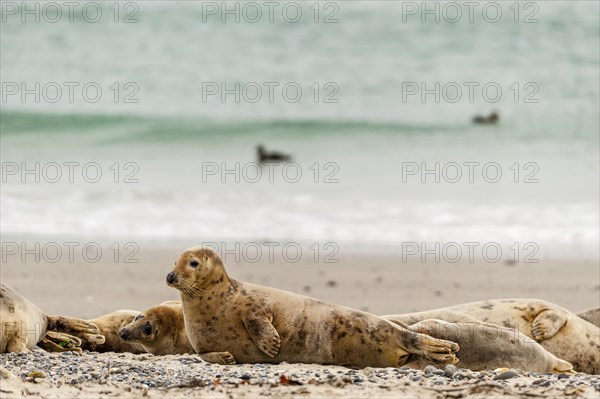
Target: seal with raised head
x=487, y=347
x=24, y=325
x=160, y=330
x=559, y=331
x=258, y=324
x=109, y=326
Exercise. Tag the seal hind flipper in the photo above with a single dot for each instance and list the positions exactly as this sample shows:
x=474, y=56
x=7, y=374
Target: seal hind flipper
x=431, y=348
x=60, y=337
x=60, y=342
x=50, y=346
x=547, y=323
x=224, y=358
x=262, y=332
x=77, y=327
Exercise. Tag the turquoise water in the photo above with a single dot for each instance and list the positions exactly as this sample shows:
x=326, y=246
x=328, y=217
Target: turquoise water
x=363, y=125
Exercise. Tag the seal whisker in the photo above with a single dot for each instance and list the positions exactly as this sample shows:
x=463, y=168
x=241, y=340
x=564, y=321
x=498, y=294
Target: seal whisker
x=195, y=290
x=191, y=289
x=138, y=345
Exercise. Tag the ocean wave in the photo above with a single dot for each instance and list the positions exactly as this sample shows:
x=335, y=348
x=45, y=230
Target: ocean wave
x=22, y=123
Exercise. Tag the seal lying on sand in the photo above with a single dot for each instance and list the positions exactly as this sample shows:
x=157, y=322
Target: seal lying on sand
x=109, y=326
x=559, y=331
x=483, y=347
x=258, y=324
x=160, y=330
x=488, y=347
x=24, y=325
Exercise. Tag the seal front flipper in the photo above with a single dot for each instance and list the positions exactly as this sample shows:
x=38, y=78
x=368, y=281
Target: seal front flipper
x=563, y=367
x=16, y=346
x=547, y=324
x=262, y=332
x=218, y=358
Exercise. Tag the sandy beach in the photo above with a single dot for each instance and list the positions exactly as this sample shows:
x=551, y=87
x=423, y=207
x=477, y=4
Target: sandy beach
x=131, y=376
x=378, y=283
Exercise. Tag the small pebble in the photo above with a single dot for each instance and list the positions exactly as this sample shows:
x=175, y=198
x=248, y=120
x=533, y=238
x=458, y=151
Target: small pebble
x=450, y=370
x=140, y=377
x=430, y=369
x=506, y=375
x=541, y=383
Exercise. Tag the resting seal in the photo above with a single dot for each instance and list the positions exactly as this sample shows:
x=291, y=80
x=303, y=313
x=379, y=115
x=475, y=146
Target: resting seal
x=109, y=326
x=488, y=347
x=259, y=324
x=160, y=330
x=24, y=325
x=559, y=331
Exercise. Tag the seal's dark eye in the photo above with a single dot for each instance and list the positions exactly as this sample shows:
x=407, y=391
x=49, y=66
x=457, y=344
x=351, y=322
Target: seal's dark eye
x=194, y=263
x=147, y=329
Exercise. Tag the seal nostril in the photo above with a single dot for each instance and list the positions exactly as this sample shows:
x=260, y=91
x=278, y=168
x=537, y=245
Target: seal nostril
x=123, y=334
x=171, y=277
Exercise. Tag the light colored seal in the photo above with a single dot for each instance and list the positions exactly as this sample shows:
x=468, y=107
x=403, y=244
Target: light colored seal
x=591, y=316
x=160, y=330
x=259, y=324
x=488, y=347
x=24, y=325
x=559, y=331
x=109, y=326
